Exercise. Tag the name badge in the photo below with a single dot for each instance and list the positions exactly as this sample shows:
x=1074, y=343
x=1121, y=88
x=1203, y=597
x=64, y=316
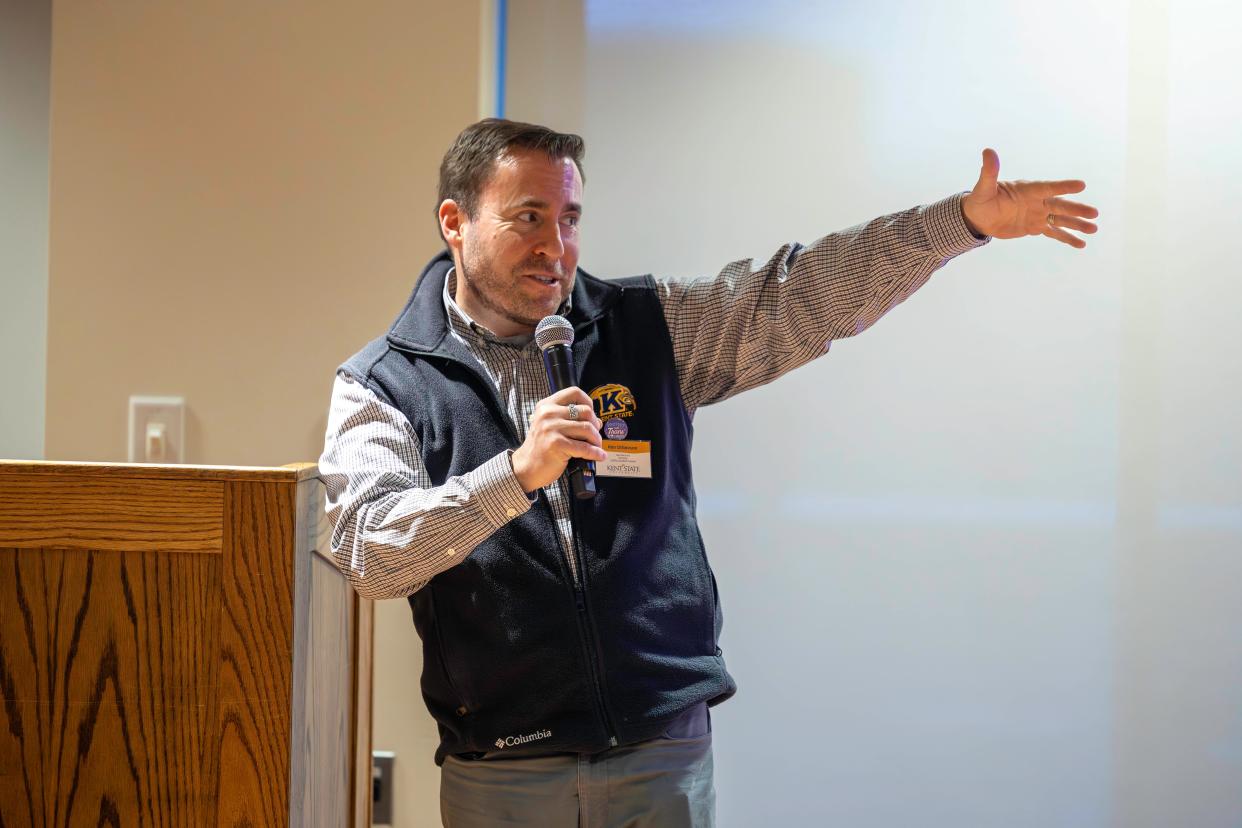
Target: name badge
x=626, y=458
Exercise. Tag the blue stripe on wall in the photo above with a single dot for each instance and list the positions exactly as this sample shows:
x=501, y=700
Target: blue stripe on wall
x=502, y=25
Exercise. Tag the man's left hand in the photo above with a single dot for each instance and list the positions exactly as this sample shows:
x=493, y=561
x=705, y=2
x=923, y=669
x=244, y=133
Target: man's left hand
x=1012, y=209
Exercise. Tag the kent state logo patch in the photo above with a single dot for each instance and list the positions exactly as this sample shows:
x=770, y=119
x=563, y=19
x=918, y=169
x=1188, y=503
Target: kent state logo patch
x=613, y=401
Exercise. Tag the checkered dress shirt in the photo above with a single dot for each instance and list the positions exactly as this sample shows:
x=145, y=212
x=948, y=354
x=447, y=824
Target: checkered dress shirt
x=746, y=326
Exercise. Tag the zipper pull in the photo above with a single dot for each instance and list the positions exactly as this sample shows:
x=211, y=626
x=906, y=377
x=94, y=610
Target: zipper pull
x=580, y=600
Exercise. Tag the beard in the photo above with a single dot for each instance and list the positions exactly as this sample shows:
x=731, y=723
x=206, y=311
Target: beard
x=502, y=295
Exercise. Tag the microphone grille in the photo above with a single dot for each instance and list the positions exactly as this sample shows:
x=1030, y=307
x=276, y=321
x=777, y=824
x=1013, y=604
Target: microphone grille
x=553, y=330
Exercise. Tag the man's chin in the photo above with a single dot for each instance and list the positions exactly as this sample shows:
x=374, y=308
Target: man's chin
x=543, y=309
x=530, y=317
x=534, y=321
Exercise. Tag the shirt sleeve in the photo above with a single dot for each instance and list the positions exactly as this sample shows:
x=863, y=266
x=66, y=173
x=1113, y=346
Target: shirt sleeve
x=752, y=323
x=392, y=530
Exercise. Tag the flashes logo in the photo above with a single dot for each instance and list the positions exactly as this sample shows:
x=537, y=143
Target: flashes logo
x=514, y=741
x=613, y=400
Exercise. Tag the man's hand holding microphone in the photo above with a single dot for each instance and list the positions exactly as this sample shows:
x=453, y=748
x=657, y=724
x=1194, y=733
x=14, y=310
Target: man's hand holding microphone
x=556, y=435
x=564, y=431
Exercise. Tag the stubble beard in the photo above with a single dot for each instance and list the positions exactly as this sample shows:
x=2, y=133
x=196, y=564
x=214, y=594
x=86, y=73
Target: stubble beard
x=490, y=291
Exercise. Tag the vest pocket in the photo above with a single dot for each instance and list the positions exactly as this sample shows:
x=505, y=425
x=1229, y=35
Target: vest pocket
x=713, y=611
x=462, y=706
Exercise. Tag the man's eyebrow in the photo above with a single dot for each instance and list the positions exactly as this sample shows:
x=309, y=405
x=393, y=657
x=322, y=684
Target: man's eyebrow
x=540, y=204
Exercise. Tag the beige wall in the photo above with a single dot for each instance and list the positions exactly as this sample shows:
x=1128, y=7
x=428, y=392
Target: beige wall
x=241, y=196
x=546, y=66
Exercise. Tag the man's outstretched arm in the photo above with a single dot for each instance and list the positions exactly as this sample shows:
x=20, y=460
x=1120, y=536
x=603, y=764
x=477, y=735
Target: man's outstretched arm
x=751, y=323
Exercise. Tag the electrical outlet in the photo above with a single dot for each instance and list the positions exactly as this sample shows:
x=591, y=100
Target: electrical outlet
x=157, y=429
x=381, y=786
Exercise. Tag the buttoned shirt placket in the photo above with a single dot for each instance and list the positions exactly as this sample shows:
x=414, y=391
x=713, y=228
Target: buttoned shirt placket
x=515, y=367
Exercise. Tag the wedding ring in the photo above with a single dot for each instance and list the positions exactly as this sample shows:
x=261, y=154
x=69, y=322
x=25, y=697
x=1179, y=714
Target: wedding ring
x=1049, y=220
x=573, y=411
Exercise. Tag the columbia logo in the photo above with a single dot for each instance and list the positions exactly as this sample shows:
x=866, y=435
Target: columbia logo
x=513, y=741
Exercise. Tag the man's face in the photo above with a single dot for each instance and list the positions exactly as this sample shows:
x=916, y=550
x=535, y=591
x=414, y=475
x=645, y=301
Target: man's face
x=518, y=254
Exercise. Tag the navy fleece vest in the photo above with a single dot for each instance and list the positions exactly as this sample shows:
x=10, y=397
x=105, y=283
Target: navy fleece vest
x=514, y=657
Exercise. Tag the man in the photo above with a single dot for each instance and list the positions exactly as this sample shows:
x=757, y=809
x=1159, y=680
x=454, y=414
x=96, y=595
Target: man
x=570, y=646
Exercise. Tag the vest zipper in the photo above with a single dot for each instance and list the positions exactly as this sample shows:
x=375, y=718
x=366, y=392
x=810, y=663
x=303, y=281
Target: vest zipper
x=593, y=657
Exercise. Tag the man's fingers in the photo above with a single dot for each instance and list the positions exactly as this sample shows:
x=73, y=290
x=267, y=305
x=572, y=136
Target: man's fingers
x=581, y=448
x=556, y=421
x=557, y=405
x=1065, y=207
x=583, y=431
x=1047, y=189
x=1060, y=235
x=581, y=413
x=572, y=394
x=556, y=416
x=1073, y=223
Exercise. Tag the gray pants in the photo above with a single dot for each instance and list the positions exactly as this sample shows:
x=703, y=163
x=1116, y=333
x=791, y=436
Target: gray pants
x=661, y=783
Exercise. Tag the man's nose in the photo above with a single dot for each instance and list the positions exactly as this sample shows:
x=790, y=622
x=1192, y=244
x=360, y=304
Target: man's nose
x=550, y=242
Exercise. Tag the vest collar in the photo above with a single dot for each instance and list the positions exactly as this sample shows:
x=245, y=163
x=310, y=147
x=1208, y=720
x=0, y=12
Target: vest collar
x=422, y=325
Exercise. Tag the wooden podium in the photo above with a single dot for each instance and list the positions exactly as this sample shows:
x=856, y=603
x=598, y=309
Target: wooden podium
x=176, y=649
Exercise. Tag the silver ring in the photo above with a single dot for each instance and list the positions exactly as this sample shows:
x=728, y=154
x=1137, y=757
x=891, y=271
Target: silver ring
x=573, y=411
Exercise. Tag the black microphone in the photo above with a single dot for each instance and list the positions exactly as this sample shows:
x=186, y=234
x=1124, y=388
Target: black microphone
x=554, y=335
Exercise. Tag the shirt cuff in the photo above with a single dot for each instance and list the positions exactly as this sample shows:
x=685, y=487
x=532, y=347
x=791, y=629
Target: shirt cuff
x=499, y=493
x=946, y=227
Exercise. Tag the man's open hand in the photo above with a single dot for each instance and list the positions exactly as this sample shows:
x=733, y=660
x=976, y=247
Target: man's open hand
x=1012, y=209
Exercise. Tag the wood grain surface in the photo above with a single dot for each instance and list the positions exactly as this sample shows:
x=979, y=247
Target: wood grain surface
x=291, y=473
x=101, y=513
x=106, y=669
x=155, y=685
x=256, y=654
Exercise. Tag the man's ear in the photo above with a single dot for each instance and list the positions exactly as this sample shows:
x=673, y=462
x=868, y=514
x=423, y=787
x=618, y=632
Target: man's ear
x=452, y=219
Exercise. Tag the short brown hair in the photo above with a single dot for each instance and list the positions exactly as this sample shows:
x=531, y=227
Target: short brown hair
x=469, y=162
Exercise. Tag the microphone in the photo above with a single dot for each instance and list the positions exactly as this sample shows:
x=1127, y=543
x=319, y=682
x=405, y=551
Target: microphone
x=554, y=335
